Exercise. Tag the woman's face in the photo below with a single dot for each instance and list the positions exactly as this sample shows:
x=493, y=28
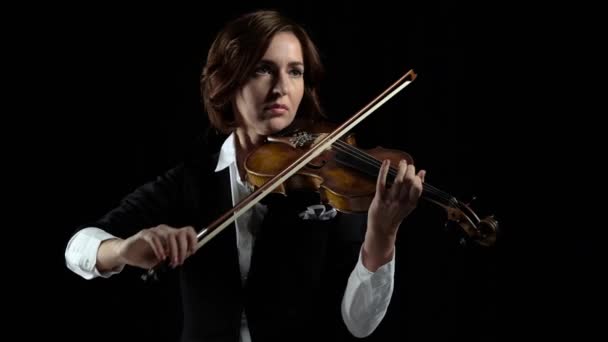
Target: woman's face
x=268, y=102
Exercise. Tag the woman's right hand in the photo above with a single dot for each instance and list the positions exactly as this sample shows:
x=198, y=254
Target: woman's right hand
x=150, y=246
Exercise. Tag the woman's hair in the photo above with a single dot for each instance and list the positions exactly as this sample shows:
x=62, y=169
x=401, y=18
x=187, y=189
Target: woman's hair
x=232, y=59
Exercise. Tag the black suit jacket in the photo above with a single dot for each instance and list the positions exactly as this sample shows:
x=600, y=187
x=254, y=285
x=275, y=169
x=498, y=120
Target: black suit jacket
x=299, y=269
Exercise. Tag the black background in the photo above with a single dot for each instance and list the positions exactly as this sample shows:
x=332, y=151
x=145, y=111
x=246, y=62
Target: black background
x=116, y=101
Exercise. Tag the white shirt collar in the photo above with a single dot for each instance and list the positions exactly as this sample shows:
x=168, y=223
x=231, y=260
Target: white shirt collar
x=227, y=154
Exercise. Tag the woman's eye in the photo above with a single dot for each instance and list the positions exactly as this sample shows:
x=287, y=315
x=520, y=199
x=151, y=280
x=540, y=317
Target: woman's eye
x=262, y=70
x=296, y=72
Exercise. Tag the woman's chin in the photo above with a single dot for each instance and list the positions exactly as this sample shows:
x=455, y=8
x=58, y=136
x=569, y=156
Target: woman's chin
x=277, y=124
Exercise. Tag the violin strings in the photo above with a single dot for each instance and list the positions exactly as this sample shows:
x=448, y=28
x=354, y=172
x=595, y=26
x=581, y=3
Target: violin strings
x=392, y=170
x=370, y=160
x=366, y=158
x=438, y=194
x=377, y=164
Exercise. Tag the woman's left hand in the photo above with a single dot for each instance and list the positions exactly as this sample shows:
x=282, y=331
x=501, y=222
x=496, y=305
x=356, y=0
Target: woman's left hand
x=387, y=211
x=391, y=206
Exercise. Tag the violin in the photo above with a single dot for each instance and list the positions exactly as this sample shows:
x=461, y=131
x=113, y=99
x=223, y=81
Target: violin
x=345, y=177
x=325, y=159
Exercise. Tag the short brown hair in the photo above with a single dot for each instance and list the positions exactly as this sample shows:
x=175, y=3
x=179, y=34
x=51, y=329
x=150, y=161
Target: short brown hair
x=234, y=55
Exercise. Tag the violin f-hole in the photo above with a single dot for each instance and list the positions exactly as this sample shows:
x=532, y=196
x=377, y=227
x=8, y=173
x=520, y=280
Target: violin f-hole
x=317, y=163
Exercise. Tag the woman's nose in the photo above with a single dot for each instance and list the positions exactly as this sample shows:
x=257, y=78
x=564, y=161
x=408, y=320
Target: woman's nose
x=281, y=86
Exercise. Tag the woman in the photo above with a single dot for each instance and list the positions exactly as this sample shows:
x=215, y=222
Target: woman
x=282, y=270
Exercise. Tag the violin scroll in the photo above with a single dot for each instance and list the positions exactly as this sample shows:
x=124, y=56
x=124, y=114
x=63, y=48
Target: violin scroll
x=481, y=231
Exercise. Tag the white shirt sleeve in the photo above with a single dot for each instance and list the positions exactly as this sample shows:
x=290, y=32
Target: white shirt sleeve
x=81, y=253
x=367, y=297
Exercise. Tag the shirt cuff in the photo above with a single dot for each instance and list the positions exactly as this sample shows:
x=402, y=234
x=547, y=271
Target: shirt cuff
x=367, y=297
x=383, y=275
x=81, y=253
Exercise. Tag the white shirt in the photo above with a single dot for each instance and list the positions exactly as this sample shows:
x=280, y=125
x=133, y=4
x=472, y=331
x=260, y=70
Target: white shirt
x=367, y=294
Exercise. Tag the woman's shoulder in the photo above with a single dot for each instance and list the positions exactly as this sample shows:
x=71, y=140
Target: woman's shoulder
x=203, y=150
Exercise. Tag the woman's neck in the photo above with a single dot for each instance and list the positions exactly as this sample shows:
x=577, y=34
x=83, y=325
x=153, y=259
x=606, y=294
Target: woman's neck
x=244, y=143
x=247, y=141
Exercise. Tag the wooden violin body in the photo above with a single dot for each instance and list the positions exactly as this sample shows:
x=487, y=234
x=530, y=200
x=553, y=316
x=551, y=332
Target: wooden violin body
x=345, y=188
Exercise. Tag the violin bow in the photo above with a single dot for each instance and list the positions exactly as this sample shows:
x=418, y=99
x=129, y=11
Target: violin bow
x=322, y=142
